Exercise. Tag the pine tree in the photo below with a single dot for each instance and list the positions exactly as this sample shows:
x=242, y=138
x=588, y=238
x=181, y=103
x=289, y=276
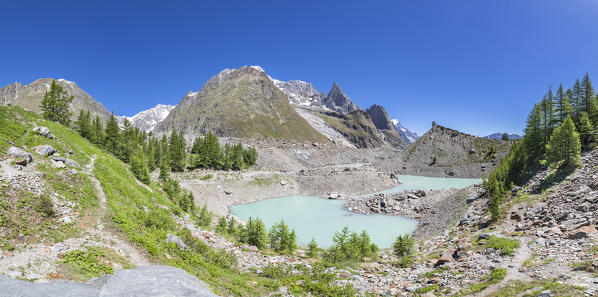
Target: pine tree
x=534, y=133
x=127, y=141
x=403, y=245
x=505, y=137
x=83, y=124
x=97, y=131
x=282, y=240
x=205, y=216
x=222, y=225
x=563, y=105
x=176, y=151
x=586, y=93
x=55, y=105
x=112, y=135
x=139, y=166
x=546, y=119
x=576, y=99
x=585, y=128
x=564, y=145
x=312, y=248
x=255, y=233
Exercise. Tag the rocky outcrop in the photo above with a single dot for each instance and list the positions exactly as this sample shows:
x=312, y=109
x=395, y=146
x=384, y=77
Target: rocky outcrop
x=30, y=97
x=384, y=124
x=357, y=127
x=242, y=103
x=147, y=280
x=446, y=152
x=338, y=101
x=301, y=93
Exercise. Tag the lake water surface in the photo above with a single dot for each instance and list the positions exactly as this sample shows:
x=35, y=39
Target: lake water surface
x=318, y=218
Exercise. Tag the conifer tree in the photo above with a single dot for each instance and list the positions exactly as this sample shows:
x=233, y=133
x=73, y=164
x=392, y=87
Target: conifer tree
x=83, y=124
x=55, y=105
x=176, y=151
x=586, y=93
x=97, y=133
x=564, y=145
x=585, y=128
x=563, y=105
x=139, y=166
x=576, y=99
x=111, y=135
x=534, y=134
x=312, y=248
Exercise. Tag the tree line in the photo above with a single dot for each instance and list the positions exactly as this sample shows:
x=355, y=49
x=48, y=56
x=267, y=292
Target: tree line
x=558, y=129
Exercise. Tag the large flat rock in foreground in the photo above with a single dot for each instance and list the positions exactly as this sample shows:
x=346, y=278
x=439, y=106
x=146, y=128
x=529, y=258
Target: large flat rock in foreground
x=141, y=281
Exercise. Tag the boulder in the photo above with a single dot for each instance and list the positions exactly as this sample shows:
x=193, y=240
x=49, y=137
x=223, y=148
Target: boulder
x=72, y=163
x=44, y=150
x=177, y=240
x=21, y=161
x=59, y=159
x=582, y=232
x=227, y=192
x=283, y=182
x=57, y=164
x=44, y=131
x=420, y=193
x=333, y=195
x=446, y=257
x=16, y=152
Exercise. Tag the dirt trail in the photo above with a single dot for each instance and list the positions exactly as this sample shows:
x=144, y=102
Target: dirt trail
x=122, y=246
x=522, y=255
x=20, y=264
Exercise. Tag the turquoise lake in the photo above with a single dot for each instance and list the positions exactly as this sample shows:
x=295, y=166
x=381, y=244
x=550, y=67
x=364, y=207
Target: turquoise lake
x=318, y=218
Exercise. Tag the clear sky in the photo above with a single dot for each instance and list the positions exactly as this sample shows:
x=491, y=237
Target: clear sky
x=477, y=66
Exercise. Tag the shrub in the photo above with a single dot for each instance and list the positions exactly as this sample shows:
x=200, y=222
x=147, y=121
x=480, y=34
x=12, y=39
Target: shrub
x=87, y=262
x=505, y=245
x=205, y=217
x=46, y=206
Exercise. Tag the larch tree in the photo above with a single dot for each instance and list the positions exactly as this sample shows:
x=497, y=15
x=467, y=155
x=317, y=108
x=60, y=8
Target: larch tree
x=564, y=147
x=55, y=105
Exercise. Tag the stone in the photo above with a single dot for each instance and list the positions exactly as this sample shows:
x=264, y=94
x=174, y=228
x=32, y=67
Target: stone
x=44, y=131
x=16, y=152
x=446, y=257
x=545, y=293
x=72, y=163
x=66, y=220
x=227, y=192
x=333, y=195
x=420, y=193
x=44, y=150
x=177, y=240
x=283, y=182
x=582, y=232
x=9, y=253
x=472, y=151
x=59, y=159
x=152, y=280
x=58, y=164
x=21, y=161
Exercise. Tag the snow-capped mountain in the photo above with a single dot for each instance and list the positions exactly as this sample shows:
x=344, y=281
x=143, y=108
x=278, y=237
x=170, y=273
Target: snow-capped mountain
x=498, y=136
x=300, y=92
x=409, y=136
x=146, y=120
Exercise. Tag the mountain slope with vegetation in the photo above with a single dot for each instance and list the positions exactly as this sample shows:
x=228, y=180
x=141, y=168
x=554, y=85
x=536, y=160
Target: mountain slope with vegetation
x=242, y=103
x=357, y=127
x=30, y=97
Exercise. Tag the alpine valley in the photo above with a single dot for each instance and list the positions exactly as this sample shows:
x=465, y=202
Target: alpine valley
x=253, y=186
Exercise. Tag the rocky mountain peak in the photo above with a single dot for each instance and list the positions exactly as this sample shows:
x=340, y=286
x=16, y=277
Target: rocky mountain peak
x=338, y=101
x=300, y=92
x=380, y=117
x=148, y=119
x=383, y=123
x=407, y=135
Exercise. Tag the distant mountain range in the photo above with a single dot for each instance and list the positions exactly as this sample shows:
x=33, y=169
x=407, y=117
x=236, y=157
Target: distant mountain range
x=148, y=119
x=498, y=136
x=409, y=136
x=245, y=103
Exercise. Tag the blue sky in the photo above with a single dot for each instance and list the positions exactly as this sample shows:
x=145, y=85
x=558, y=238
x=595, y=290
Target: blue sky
x=477, y=66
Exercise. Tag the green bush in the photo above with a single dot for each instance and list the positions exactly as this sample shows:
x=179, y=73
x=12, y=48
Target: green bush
x=505, y=245
x=46, y=206
x=87, y=263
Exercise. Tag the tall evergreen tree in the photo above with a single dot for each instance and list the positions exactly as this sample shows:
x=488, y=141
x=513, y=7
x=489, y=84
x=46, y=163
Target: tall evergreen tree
x=576, y=99
x=55, y=105
x=564, y=145
x=97, y=131
x=139, y=166
x=83, y=124
x=563, y=105
x=534, y=132
x=111, y=135
x=585, y=128
x=586, y=93
x=176, y=151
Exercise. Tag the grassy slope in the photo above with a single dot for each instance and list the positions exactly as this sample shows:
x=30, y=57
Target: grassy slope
x=356, y=126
